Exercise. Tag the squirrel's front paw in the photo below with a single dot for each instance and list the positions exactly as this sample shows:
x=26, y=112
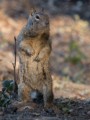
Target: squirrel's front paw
x=37, y=59
x=28, y=52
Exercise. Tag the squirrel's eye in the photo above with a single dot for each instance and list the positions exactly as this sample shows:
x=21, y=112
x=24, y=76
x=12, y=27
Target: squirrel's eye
x=37, y=17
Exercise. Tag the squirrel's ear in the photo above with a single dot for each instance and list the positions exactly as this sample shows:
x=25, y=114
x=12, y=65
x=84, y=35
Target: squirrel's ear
x=33, y=11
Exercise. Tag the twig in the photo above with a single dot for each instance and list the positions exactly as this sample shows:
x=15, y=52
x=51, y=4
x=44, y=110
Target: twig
x=15, y=89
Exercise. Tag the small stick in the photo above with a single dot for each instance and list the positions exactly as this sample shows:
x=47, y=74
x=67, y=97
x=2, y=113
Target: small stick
x=15, y=89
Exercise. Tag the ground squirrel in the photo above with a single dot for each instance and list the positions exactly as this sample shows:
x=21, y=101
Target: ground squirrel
x=34, y=48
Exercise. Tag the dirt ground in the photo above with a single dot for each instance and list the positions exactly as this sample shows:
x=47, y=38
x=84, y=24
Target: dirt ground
x=71, y=82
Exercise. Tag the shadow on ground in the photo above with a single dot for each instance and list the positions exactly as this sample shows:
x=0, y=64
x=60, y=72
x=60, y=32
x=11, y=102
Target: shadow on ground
x=69, y=109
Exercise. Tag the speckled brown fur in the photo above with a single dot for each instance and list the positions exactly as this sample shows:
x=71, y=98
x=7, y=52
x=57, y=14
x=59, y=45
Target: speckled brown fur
x=34, y=48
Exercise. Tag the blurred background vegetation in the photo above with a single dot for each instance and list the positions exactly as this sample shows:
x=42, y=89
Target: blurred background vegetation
x=70, y=27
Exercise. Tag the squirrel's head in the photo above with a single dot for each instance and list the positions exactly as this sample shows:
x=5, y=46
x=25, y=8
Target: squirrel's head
x=38, y=23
